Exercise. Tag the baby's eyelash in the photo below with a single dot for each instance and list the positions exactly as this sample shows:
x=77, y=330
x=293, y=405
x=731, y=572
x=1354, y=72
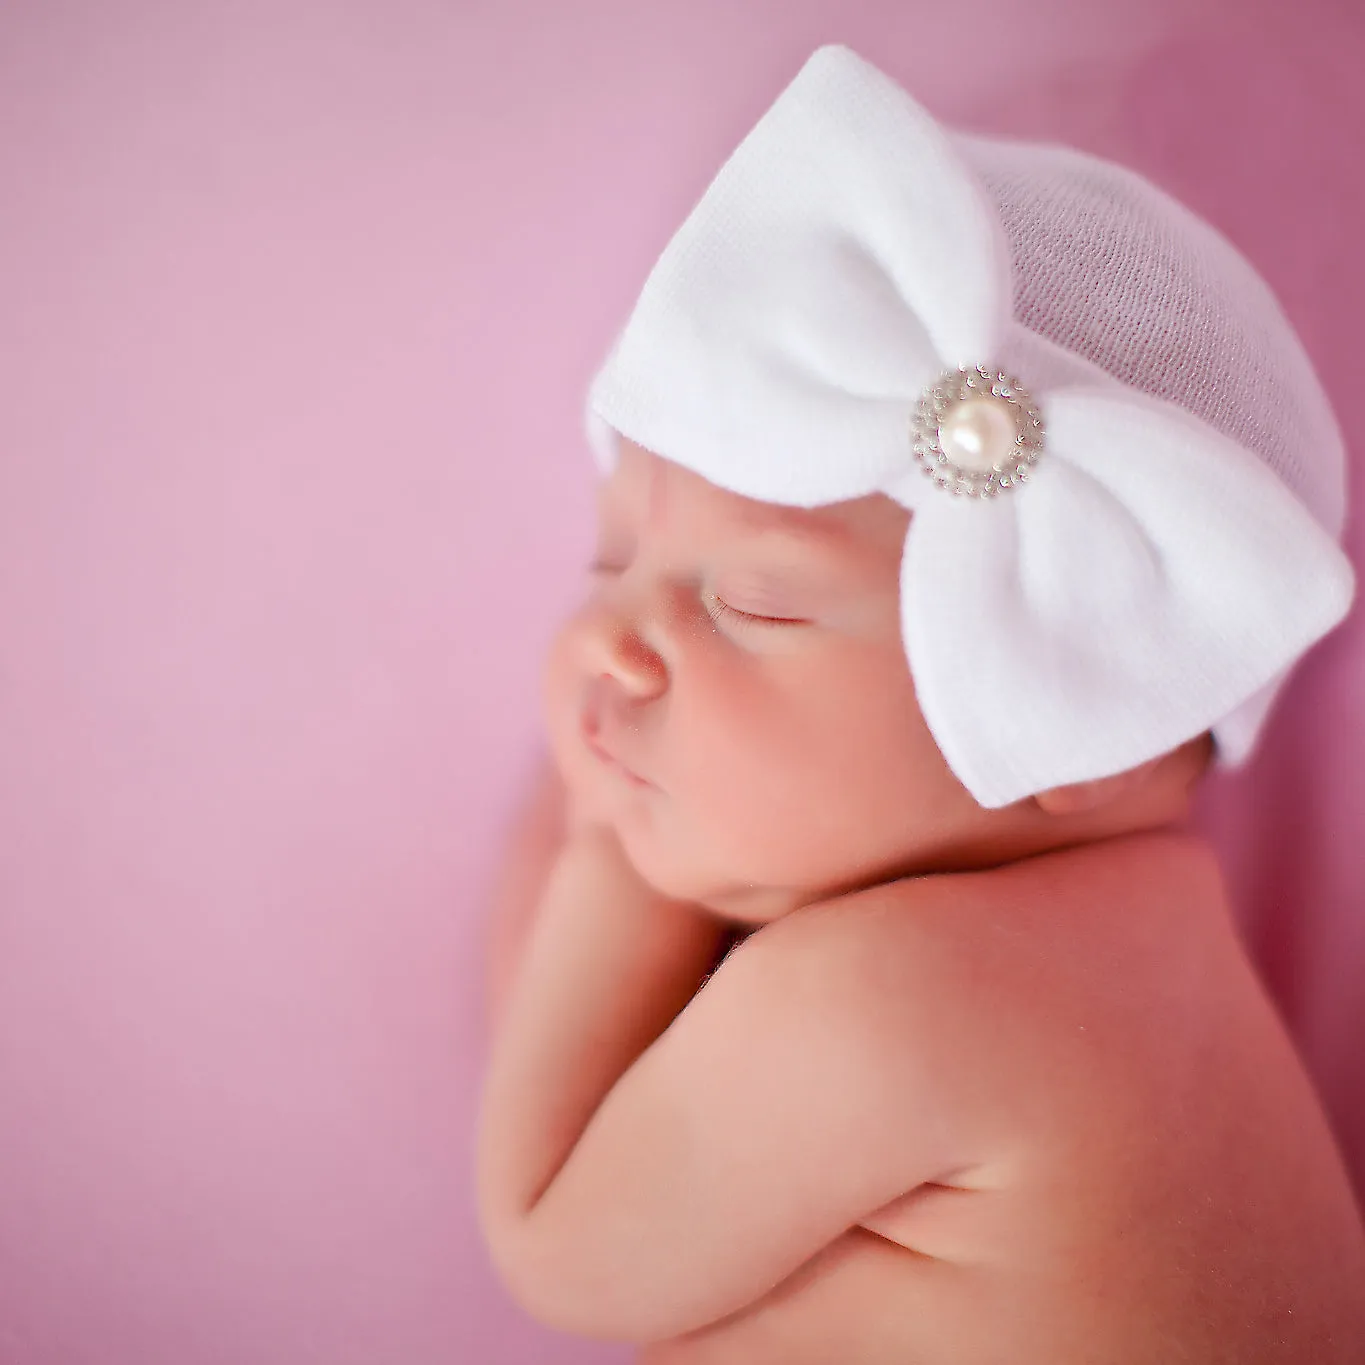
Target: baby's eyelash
x=718, y=610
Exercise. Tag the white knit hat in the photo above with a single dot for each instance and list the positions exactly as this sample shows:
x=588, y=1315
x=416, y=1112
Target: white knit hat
x=1126, y=482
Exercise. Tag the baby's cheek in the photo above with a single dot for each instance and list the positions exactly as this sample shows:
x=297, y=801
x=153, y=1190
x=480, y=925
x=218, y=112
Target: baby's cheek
x=826, y=783
x=761, y=796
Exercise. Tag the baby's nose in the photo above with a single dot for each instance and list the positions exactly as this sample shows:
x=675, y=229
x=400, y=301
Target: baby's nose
x=614, y=646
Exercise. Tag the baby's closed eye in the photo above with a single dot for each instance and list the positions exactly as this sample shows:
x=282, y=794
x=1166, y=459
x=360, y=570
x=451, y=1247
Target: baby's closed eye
x=720, y=610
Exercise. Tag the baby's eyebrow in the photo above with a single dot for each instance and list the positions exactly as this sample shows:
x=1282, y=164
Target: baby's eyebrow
x=830, y=539
x=823, y=553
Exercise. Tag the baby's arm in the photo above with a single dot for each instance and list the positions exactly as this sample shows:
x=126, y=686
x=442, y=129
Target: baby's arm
x=607, y=965
x=640, y=1180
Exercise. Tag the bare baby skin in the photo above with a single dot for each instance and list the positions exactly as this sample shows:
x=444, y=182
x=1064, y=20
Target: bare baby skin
x=975, y=1086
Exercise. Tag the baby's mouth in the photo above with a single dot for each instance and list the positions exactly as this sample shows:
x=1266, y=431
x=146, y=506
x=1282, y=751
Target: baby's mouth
x=590, y=727
x=614, y=763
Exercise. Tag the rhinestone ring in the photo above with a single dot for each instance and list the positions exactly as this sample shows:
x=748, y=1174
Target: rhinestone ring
x=977, y=432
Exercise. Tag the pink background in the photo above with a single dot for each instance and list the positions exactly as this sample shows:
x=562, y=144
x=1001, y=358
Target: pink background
x=297, y=302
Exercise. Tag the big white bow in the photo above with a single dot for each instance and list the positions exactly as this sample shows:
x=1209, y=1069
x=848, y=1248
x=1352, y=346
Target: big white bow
x=1146, y=576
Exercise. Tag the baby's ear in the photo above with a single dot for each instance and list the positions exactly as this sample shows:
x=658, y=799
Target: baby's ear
x=1084, y=796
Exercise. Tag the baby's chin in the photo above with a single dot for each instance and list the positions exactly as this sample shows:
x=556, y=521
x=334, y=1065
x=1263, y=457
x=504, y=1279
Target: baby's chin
x=681, y=870
x=750, y=876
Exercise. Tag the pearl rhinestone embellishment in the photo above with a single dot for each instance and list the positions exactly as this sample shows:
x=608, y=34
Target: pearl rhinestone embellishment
x=977, y=432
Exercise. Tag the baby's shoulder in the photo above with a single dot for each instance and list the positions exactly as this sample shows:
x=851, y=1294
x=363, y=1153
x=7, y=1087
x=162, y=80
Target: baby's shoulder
x=1144, y=895
x=1042, y=982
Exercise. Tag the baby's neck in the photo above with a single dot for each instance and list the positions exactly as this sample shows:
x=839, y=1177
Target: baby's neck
x=997, y=844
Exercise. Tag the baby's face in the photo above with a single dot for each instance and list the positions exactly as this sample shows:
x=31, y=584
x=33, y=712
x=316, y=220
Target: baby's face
x=733, y=696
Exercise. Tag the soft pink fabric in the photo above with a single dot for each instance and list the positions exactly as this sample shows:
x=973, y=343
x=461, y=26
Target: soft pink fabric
x=297, y=301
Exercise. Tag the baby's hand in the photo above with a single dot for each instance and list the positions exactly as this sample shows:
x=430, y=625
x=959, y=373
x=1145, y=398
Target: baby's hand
x=579, y=815
x=577, y=804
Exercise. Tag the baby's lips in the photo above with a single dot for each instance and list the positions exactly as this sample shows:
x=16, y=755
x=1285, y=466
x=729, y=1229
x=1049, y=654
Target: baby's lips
x=591, y=729
x=615, y=763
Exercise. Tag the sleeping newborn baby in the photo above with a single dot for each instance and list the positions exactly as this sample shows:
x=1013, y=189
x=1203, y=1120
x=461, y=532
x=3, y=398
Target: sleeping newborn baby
x=862, y=997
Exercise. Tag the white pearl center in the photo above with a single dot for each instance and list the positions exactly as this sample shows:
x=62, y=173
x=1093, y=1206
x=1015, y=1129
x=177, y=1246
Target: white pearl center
x=978, y=434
